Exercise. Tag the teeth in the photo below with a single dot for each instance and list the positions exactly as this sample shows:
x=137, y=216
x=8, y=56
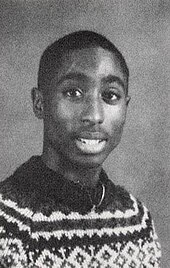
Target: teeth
x=90, y=142
x=90, y=146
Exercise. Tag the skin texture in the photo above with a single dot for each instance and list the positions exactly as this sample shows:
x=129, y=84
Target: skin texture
x=86, y=99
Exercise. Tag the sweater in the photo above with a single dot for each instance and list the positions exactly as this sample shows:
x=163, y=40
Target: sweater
x=49, y=221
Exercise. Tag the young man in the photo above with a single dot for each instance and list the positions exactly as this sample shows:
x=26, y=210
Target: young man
x=60, y=209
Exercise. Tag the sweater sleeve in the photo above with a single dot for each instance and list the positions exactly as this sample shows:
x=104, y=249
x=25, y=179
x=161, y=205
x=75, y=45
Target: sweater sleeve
x=14, y=235
x=156, y=245
x=151, y=246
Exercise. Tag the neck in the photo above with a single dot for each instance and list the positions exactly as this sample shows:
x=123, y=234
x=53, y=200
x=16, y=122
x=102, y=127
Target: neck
x=83, y=175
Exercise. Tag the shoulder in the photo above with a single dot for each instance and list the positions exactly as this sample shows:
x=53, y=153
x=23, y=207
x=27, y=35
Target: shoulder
x=31, y=188
x=15, y=217
x=18, y=187
x=126, y=208
x=119, y=199
x=132, y=221
x=130, y=213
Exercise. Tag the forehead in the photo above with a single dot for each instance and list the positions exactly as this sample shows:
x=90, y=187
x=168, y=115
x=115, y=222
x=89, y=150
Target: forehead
x=94, y=63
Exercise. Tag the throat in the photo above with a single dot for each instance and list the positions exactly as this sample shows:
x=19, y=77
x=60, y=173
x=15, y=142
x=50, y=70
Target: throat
x=83, y=176
x=86, y=177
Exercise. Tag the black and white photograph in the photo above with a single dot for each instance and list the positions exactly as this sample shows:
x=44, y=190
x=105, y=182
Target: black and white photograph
x=84, y=134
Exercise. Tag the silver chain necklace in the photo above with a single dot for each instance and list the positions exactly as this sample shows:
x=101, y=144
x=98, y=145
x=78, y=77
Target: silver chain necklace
x=101, y=199
x=102, y=196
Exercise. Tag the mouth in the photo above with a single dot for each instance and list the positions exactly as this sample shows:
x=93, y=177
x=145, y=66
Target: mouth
x=91, y=146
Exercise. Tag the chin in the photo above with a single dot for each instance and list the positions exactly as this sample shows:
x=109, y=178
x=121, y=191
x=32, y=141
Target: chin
x=89, y=161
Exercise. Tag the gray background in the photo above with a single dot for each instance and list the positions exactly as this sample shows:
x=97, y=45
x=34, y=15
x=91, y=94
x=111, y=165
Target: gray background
x=141, y=30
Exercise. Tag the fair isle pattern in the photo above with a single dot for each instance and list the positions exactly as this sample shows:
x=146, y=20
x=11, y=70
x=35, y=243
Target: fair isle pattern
x=109, y=239
x=55, y=216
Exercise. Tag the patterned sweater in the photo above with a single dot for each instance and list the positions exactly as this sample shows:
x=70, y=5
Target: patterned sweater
x=48, y=221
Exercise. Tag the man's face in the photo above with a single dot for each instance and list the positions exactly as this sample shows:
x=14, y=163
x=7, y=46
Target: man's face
x=85, y=107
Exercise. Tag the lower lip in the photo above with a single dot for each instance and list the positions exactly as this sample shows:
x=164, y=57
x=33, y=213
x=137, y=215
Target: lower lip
x=91, y=146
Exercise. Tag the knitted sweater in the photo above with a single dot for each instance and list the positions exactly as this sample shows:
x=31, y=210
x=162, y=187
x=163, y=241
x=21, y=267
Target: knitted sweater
x=48, y=221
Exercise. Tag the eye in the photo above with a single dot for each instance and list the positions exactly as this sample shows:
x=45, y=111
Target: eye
x=110, y=96
x=73, y=93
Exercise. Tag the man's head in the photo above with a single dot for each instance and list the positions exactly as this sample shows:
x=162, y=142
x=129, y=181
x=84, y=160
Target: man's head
x=82, y=97
x=52, y=57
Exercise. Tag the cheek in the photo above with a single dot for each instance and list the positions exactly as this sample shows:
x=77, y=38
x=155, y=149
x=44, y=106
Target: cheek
x=115, y=116
x=114, y=123
x=66, y=115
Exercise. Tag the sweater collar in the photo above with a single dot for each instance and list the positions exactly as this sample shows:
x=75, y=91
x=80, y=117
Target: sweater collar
x=71, y=195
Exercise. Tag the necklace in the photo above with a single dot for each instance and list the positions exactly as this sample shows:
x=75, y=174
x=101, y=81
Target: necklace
x=101, y=199
x=94, y=206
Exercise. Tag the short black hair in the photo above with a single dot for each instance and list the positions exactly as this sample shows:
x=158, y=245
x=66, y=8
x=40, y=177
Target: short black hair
x=52, y=56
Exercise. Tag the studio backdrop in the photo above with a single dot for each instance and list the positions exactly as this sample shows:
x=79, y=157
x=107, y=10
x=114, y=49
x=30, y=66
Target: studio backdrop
x=141, y=30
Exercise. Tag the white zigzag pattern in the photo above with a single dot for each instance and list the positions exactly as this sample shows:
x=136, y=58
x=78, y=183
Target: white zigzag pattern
x=131, y=256
x=77, y=216
x=90, y=232
x=59, y=216
x=12, y=249
x=9, y=218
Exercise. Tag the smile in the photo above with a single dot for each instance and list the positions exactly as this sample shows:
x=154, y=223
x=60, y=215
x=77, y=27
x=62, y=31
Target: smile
x=91, y=146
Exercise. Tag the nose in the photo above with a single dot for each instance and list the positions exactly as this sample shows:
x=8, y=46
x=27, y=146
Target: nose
x=93, y=112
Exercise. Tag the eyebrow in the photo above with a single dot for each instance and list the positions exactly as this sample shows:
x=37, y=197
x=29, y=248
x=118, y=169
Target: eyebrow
x=73, y=76
x=83, y=77
x=113, y=79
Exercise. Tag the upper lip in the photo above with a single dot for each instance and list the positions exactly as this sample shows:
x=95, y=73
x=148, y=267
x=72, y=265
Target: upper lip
x=92, y=135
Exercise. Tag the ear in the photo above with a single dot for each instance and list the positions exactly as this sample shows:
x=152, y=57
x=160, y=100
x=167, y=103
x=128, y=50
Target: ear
x=38, y=105
x=128, y=98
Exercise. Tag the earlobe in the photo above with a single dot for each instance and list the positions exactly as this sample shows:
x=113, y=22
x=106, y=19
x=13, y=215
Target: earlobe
x=37, y=100
x=128, y=98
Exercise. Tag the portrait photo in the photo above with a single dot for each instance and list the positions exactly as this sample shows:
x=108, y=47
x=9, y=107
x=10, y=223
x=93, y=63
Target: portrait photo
x=84, y=133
